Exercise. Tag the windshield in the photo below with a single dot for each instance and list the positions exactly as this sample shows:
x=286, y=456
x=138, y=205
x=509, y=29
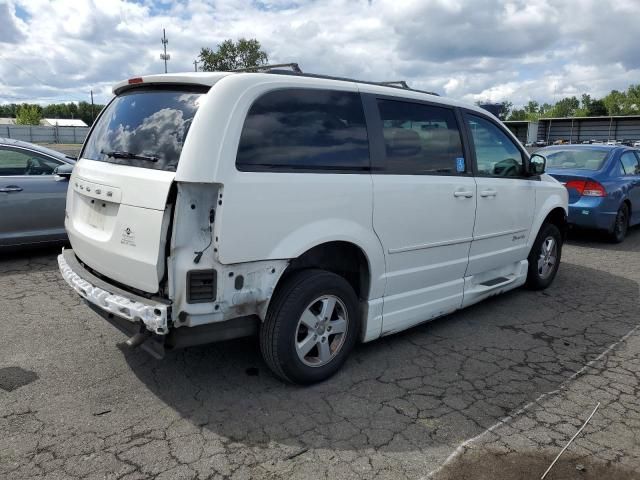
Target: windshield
x=574, y=158
x=144, y=127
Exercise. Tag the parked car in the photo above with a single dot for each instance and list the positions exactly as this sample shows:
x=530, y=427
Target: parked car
x=541, y=143
x=603, y=183
x=314, y=211
x=636, y=143
x=33, y=188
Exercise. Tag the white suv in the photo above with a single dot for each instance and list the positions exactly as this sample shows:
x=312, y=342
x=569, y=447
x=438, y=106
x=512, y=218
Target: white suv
x=314, y=211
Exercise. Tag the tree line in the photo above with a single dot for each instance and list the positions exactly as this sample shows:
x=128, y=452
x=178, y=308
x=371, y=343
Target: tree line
x=32, y=113
x=614, y=103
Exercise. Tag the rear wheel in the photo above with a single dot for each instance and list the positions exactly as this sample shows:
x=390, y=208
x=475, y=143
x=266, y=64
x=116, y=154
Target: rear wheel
x=620, y=225
x=311, y=326
x=544, y=258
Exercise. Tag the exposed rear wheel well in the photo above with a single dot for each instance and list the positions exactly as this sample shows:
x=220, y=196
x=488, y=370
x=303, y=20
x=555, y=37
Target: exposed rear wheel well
x=342, y=258
x=628, y=202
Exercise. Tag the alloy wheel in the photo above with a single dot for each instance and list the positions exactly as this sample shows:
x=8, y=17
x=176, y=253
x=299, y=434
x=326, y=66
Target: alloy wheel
x=321, y=331
x=548, y=257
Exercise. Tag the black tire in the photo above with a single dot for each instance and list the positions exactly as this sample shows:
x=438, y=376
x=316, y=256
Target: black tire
x=620, y=225
x=280, y=331
x=539, y=278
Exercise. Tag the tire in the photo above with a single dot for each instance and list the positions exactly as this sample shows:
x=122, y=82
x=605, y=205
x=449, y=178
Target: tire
x=296, y=315
x=620, y=225
x=541, y=273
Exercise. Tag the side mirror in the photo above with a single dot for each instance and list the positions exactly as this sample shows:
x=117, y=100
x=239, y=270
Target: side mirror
x=537, y=164
x=63, y=171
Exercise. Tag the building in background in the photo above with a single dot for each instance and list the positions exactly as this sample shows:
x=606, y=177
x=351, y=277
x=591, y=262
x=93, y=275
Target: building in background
x=577, y=129
x=62, y=122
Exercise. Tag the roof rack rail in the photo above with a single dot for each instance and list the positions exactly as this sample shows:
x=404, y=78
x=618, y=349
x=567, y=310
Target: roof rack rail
x=297, y=71
x=266, y=68
x=396, y=83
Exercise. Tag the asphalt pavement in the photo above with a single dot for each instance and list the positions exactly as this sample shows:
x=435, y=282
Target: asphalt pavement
x=494, y=391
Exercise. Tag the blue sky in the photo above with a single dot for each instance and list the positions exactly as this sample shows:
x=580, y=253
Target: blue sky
x=490, y=50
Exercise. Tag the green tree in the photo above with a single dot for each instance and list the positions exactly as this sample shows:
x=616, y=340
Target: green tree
x=615, y=102
x=232, y=55
x=566, y=107
x=505, y=112
x=597, y=108
x=28, y=115
x=532, y=110
x=632, y=104
x=518, y=114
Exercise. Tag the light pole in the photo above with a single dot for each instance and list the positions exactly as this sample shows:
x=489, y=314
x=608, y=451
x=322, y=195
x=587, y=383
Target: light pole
x=164, y=56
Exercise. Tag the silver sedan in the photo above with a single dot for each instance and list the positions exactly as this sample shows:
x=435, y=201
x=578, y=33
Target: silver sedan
x=33, y=188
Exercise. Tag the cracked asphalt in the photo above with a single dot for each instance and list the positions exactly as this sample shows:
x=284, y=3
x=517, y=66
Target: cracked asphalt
x=493, y=391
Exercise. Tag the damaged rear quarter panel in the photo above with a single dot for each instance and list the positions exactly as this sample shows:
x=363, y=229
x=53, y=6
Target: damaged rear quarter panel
x=196, y=204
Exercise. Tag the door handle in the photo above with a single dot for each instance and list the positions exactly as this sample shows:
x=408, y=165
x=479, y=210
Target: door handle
x=11, y=188
x=488, y=193
x=463, y=193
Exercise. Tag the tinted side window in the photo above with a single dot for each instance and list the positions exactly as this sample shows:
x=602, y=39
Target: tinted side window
x=496, y=154
x=630, y=163
x=304, y=129
x=19, y=162
x=420, y=139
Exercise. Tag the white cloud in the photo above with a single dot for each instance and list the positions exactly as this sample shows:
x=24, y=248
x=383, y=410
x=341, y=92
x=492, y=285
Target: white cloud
x=475, y=50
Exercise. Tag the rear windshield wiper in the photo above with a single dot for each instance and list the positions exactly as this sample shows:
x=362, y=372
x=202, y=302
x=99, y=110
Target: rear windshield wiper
x=129, y=156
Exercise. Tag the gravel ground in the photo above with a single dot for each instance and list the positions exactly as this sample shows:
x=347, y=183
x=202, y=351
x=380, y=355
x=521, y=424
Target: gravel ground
x=493, y=391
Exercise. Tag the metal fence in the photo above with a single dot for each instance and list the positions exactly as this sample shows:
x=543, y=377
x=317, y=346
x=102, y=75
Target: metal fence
x=39, y=134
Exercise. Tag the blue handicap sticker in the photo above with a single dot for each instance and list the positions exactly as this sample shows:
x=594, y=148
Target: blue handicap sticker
x=460, y=164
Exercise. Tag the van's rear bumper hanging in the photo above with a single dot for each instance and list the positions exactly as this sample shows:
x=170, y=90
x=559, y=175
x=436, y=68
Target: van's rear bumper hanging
x=111, y=299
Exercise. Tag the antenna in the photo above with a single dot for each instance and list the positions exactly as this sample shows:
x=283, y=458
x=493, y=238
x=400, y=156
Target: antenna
x=164, y=56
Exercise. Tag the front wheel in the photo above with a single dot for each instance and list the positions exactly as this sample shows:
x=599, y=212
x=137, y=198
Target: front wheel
x=311, y=326
x=544, y=258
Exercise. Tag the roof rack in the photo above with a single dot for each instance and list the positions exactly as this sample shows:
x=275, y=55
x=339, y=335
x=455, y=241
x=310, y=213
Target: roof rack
x=297, y=71
x=396, y=83
x=267, y=68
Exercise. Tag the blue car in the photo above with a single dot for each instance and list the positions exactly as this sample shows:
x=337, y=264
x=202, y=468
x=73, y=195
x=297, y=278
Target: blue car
x=603, y=183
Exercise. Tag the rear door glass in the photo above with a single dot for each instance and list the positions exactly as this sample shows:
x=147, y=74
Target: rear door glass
x=299, y=129
x=144, y=127
x=420, y=139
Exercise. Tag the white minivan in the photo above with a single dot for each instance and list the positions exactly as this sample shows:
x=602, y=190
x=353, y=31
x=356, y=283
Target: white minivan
x=313, y=211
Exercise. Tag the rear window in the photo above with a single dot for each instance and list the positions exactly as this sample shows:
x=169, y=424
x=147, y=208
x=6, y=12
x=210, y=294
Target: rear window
x=582, y=159
x=304, y=130
x=144, y=127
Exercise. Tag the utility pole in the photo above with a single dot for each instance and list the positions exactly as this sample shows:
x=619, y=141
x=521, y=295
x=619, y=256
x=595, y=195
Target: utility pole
x=92, y=114
x=164, y=56
x=195, y=65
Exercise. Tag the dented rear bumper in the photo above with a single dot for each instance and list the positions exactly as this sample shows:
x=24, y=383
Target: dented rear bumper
x=154, y=314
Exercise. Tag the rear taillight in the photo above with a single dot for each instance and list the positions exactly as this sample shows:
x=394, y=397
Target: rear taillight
x=587, y=188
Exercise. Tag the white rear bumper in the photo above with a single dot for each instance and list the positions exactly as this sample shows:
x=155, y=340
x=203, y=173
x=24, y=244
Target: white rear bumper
x=154, y=315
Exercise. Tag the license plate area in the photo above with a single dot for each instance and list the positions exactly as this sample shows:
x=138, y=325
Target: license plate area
x=97, y=213
x=94, y=217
